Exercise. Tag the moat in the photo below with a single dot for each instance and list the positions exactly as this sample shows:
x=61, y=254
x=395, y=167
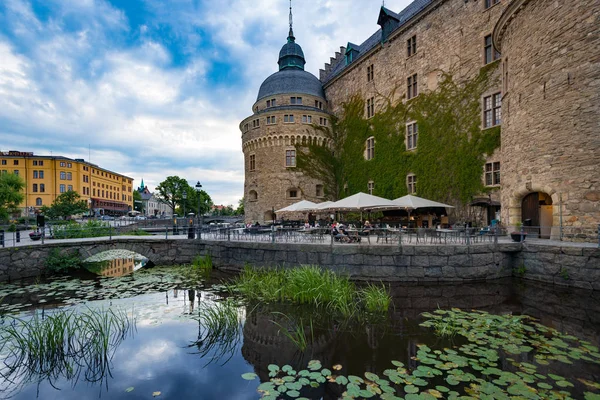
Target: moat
x=170, y=347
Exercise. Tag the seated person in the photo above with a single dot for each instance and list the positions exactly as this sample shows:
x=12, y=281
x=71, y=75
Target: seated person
x=338, y=232
x=367, y=227
x=306, y=225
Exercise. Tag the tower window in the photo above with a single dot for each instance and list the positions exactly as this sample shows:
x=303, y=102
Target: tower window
x=411, y=87
x=411, y=46
x=290, y=158
x=288, y=118
x=319, y=104
x=370, y=148
x=492, y=174
x=490, y=53
x=271, y=103
x=370, y=73
x=271, y=120
x=492, y=110
x=411, y=136
x=370, y=107
x=307, y=119
x=296, y=100
x=252, y=162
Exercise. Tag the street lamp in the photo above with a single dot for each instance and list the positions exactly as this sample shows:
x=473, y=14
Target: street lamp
x=184, y=199
x=198, y=189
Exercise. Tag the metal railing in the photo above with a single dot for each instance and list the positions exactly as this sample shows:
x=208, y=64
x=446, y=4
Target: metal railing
x=388, y=236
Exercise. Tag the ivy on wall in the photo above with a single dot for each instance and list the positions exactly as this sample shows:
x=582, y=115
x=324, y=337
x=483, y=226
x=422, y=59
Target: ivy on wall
x=448, y=161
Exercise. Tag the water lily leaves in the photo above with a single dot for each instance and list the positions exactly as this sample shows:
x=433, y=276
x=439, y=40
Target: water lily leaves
x=397, y=364
x=591, y=396
x=314, y=365
x=543, y=385
x=325, y=372
x=411, y=389
x=293, y=393
x=564, y=384
x=342, y=380
x=451, y=379
x=355, y=379
x=249, y=376
x=338, y=367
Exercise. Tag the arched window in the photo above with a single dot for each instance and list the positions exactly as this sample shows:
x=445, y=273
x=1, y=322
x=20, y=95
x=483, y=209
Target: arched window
x=253, y=195
x=38, y=202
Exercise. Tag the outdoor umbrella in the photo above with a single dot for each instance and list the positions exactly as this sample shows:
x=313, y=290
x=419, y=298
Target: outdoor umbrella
x=413, y=202
x=303, y=205
x=321, y=206
x=359, y=202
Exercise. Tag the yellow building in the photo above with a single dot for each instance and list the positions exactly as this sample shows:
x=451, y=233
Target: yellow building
x=46, y=177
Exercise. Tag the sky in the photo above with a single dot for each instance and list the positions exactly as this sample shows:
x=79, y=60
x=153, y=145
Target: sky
x=154, y=88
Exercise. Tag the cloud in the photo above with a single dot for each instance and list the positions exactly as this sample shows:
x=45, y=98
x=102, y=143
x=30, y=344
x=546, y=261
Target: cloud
x=155, y=88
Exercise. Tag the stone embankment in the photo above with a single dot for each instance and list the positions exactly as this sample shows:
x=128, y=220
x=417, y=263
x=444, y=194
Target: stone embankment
x=564, y=265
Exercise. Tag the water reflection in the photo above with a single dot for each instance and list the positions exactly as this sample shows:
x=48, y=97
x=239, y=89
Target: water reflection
x=116, y=267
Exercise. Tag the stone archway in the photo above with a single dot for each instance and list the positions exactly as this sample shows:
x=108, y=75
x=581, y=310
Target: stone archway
x=538, y=205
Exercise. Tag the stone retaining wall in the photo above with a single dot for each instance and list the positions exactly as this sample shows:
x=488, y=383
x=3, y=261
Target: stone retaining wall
x=406, y=264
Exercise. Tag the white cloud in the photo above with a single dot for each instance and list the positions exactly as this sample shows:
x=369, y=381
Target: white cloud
x=126, y=92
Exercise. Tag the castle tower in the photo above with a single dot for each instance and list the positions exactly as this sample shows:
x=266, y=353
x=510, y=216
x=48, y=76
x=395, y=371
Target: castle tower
x=289, y=107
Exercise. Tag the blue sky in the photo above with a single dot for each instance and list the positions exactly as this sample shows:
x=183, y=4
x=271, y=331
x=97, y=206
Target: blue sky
x=152, y=88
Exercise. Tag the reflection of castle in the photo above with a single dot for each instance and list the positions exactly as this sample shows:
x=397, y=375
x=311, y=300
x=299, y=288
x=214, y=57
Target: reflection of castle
x=120, y=267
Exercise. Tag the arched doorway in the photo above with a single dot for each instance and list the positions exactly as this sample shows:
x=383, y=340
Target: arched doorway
x=536, y=214
x=269, y=216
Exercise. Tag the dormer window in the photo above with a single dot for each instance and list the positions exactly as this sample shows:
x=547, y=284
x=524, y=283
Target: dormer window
x=351, y=53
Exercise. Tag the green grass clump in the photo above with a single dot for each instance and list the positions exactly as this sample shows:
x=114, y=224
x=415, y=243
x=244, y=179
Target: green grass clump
x=64, y=344
x=201, y=267
x=305, y=285
x=58, y=262
x=376, y=298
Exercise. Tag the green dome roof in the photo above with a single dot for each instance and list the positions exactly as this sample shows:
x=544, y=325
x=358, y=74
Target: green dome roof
x=291, y=55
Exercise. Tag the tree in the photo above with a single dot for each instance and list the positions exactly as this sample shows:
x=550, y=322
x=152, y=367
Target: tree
x=240, y=209
x=66, y=205
x=11, y=194
x=170, y=191
x=137, y=201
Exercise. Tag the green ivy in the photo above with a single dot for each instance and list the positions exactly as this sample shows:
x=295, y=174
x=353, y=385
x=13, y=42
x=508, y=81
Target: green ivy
x=449, y=158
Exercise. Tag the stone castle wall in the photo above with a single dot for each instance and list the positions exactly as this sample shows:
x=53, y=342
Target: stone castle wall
x=551, y=108
x=272, y=179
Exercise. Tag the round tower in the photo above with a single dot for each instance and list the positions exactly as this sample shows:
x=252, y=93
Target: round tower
x=290, y=107
x=550, y=114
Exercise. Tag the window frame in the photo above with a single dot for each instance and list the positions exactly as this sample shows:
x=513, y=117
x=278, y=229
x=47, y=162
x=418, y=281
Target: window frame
x=492, y=110
x=371, y=73
x=252, y=162
x=411, y=183
x=290, y=158
x=370, y=107
x=411, y=46
x=492, y=171
x=412, y=86
x=370, y=148
x=307, y=119
x=370, y=187
x=289, y=118
x=487, y=4
x=488, y=45
x=412, y=135
x=296, y=100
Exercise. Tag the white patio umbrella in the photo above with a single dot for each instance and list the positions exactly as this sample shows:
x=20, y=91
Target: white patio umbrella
x=359, y=202
x=413, y=202
x=321, y=206
x=303, y=205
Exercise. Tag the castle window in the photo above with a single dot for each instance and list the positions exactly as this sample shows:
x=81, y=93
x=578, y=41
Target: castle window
x=370, y=148
x=69, y=165
x=323, y=121
x=42, y=188
x=35, y=175
x=370, y=107
x=411, y=136
x=3, y=162
x=246, y=127
x=252, y=162
x=411, y=183
x=41, y=174
x=371, y=187
x=492, y=110
x=69, y=176
x=492, y=174
x=411, y=46
x=307, y=119
x=489, y=3
x=490, y=53
x=271, y=103
x=256, y=123
x=35, y=188
x=38, y=201
x=253, y=195
x=271, y=120
x=16, y=162
x=35, y=163
x=411, y=87
x=319, y=104
x=292, y=193
x=319, y=191
x=41, y=163
x=62, y=164
x=63, y=188
x=296, y=100
x=370, y=73
x=70, y=187
x=63, y=175
x=290, y=158
x=288, y=118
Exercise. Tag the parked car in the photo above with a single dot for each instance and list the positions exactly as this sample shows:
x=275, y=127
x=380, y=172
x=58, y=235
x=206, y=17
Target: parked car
x=107, y=218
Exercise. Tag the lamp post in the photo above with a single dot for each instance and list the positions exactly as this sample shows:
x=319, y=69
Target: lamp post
x=199, y=189
x=184, y=200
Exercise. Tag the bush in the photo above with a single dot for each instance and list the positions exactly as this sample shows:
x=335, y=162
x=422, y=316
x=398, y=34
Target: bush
x=58, y=262
x=12, y=228
x=74, y=230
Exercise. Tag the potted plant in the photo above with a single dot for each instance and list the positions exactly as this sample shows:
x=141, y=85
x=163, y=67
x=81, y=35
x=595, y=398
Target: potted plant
x=36, y=235
x=517, y=234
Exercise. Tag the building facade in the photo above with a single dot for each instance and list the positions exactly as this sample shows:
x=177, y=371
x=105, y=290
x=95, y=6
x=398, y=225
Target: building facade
x=46, y=177
x=545, y=56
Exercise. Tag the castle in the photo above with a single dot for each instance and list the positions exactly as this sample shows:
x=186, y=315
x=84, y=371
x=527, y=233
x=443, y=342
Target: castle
x=546, y=101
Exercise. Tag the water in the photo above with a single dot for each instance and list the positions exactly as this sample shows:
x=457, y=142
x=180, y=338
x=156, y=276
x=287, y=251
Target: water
x=162, y=354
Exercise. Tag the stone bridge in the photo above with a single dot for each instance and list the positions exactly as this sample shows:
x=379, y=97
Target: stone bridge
x=566, y=265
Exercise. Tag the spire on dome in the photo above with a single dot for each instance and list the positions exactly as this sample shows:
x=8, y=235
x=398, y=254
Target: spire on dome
x=291, y=37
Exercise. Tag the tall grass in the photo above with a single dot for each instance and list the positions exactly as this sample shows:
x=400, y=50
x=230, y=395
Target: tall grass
x=309, y=285
x=220, y=327
x=295, y=332
x=201, y=267
x=65, y=343
x=376, y=298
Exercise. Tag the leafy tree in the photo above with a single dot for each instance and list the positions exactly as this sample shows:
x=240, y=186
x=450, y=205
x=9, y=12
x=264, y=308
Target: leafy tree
x=66, y=205
x=137, y=201
x=240, y=209
x=170, y=191
x=11, y=194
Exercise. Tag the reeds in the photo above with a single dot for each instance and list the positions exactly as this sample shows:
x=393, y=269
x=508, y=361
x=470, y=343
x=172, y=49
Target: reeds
x=376, y=298
x=65, y=343
x=201, y=267
x=219, y=331
x=310, y=285
x=295, y=331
